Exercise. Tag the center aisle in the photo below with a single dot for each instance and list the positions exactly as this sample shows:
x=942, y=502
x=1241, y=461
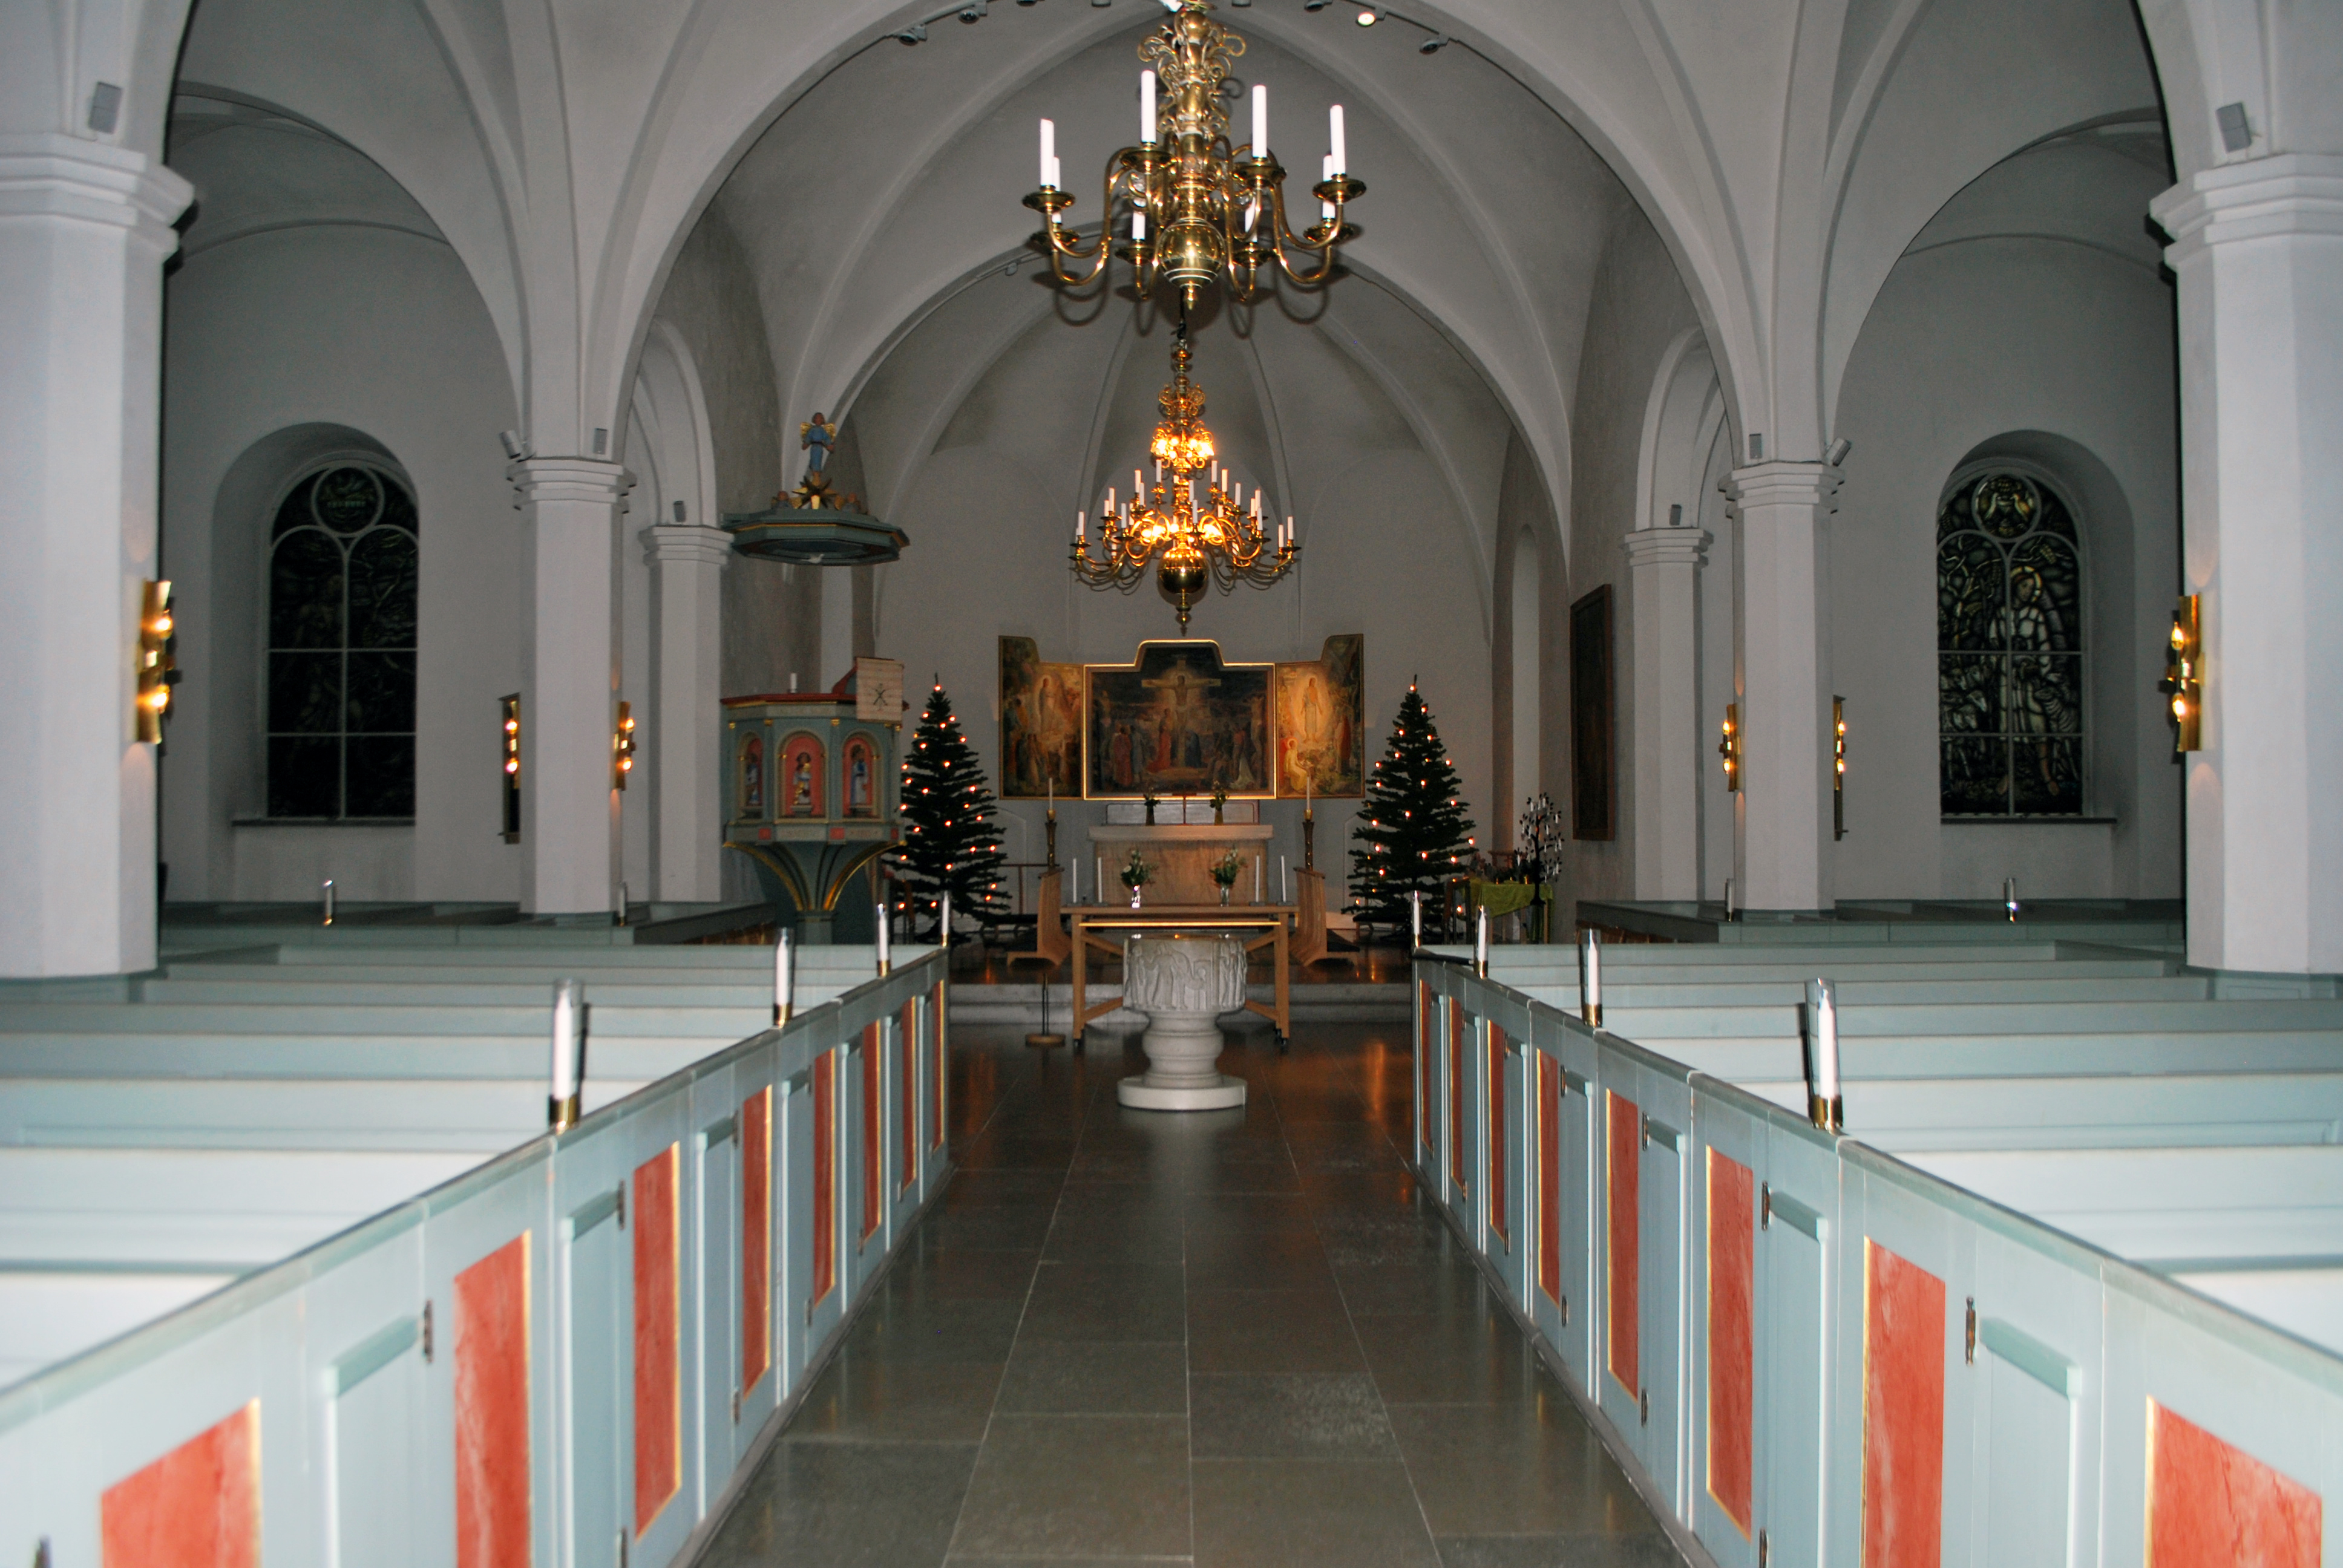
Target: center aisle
x=1224, y=1338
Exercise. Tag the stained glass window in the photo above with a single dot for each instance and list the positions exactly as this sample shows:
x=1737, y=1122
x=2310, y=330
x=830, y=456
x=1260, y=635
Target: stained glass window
x=2009, y=652
x=342, y=579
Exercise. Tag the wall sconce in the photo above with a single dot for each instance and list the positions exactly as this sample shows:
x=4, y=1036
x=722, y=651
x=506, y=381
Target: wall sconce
x=2184, y=678
x=1729, y=748
x=622, y=748
x=158, y=671
x=509, y=708
x=1838, y=768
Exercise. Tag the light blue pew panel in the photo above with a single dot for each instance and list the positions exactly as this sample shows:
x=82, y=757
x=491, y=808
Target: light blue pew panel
x=1505, y=1203
x=714, y=1167
x=1563, y=1294
x=1648, y=1113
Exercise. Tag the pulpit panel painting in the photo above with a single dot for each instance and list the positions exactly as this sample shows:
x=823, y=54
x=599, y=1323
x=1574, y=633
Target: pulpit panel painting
x=862, y=776
x=752, y=777
x=1040, y=723
x=1321, y=734
x=1177, y=721
x=801, y=770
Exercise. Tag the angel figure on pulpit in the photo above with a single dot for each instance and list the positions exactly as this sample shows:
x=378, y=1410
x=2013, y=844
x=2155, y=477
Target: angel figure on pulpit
x=816, y=437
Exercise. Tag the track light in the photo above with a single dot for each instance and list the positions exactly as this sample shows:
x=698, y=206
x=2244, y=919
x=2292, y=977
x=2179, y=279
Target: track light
x=1434, y=45
x=917, y=32
x=1316, y=4
x=1370, y=16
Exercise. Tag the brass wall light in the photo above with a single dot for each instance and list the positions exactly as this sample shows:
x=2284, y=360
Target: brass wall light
x=2184, y=676
x=508, y=708
x=622, y=749
x=1729, y=748
x=1838, y=768
x=158, y=670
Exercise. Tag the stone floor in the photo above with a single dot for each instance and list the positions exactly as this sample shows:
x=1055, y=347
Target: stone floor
x=1229, y=1338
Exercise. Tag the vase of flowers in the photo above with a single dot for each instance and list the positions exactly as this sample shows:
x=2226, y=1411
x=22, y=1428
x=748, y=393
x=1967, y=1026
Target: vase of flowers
x=1219, y=805
x=1136, y=874
x=1225, y=871
x=1148, y=800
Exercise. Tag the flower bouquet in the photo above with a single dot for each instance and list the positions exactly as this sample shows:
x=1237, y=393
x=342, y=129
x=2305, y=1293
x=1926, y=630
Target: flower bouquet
x=1136, y=874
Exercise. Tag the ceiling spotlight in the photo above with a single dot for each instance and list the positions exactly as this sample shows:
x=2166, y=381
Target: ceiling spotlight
x=1370, y=16
x=915, y=34
x=1316, y=4
x=977, y=12
x=1434, y=45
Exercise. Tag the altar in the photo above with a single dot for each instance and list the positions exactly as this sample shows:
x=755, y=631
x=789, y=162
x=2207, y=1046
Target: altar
x=1181, y=855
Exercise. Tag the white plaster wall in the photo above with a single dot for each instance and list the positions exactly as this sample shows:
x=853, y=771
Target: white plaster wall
x=1640, y=308
x=2028, y=321
x=380, y=331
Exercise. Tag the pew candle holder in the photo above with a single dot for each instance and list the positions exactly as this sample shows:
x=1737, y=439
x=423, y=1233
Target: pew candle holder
x=1830, y=1115
x=1590, y=978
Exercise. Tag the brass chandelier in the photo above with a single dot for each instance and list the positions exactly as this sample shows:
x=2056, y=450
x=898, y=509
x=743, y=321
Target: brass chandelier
x=1193, y=523
x=1198, y=205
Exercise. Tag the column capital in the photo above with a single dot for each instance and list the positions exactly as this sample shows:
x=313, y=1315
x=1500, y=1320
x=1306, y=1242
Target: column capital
x=51, y=176
x=585, y=479
x=1783, y=483
x=2291, y=192
x=688, y=543
x=1667, y=547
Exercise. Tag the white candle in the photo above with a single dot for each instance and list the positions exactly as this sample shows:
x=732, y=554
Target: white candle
x=1056, y=174
x=1053, y=792
x=1415, y=919
x=1138, y=223
x=1822, y=1032
x=1048, y=150
x=1100, y=892
x=784, y=963
x=1147, y=108
x=944, y=925
x=1261, y=120
x=1109, y=502
x=1590, y=978
x=1326, y=170
x=1481, y=941
x=1256, y=879
x=1284, y=883
x=1340, y=155
x=622, y=909
x=1137, y=485
x=883, y=923
x=1081, y=527
x=568, y=1039
x=329, y=900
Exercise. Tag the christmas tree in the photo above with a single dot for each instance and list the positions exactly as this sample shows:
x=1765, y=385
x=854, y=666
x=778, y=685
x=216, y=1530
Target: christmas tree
x=949, y=844
x=1412, y=830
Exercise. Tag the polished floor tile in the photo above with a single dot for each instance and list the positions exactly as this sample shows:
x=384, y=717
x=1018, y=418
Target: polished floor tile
x=1235, y=1339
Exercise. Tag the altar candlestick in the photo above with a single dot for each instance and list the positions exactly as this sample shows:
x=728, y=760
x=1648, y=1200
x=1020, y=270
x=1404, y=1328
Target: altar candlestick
x=1261, y=120
x=784, y=963
x=1339, y=160
x=884, y=921
x=1147, y=108
x=1590, y=977
x=1048, y=149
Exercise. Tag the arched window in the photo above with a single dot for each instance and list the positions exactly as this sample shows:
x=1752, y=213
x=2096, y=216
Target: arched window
x=342, y=580
x=2009, y=649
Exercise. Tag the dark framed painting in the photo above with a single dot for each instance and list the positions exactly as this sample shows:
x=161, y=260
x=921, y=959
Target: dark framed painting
x=1177, y=721
x=1321, y=722
x=1040, y=723
x=1593, y=806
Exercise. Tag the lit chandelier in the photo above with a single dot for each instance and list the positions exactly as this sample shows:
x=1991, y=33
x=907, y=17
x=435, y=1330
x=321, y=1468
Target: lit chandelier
x=1195, y=517
x=1209, y=205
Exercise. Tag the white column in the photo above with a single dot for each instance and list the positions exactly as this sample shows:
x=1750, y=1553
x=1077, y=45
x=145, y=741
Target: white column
x=837, y=625
x=2257, y=247
x=85, y=228
x=687, y=565
x=1664, y=573
x=569, y=678
x=1781, y=816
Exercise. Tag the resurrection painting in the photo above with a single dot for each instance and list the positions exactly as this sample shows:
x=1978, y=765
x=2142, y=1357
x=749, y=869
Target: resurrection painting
x=1177, y=722
x=1321, y=713
x=1040, y=723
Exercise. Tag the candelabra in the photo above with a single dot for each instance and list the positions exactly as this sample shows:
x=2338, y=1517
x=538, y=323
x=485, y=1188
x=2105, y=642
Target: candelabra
x=1193, y=523
x=1199, y=206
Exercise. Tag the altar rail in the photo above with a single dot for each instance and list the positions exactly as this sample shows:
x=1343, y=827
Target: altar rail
x=561, y=1356
x=1808, y=1350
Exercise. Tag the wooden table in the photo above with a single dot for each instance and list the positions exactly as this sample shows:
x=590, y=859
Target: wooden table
x=1086, y=920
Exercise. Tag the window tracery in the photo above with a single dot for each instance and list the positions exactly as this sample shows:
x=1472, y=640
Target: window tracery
x=343, y=588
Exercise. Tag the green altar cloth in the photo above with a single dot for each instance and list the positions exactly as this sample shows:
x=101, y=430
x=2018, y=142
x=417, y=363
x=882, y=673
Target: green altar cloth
x=1502, y=898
